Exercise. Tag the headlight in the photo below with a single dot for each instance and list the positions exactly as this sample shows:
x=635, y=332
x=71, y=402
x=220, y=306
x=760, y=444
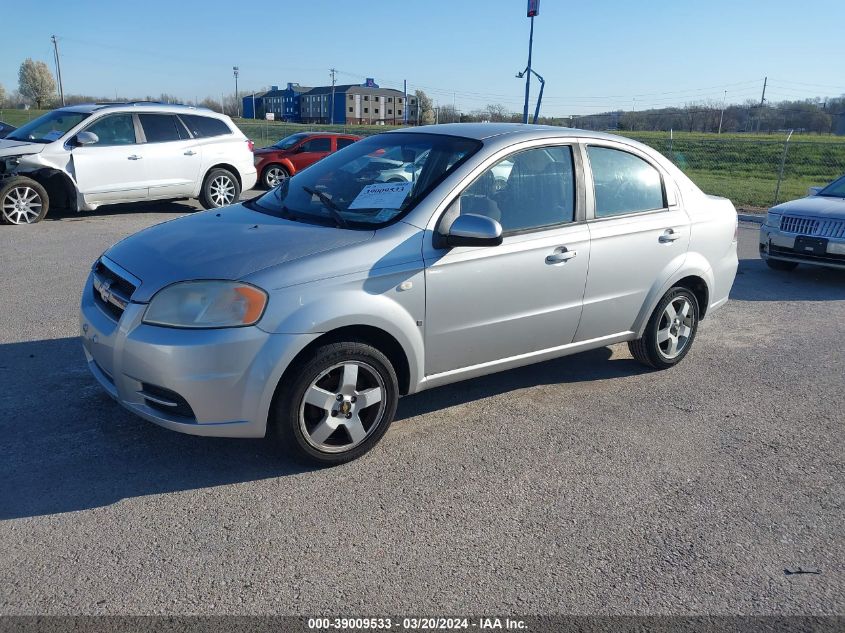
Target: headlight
x=773, y=219
x=207, y=304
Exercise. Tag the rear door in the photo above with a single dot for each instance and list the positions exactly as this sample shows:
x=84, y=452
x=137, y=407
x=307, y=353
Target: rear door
x=113, y=169
x=639, y=236
x=172, y=157
x=310, y=151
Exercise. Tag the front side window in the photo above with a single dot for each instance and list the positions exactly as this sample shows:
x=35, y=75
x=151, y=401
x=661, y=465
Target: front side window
x=624, y=183
x=350, y=188
x=322, y=144
x=161, y=128
x=48, y=127
x=115, y=129
x=531, y=189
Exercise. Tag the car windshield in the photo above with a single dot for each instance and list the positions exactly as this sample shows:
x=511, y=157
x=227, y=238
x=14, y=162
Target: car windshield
x=836, y=189
x=350, y=187
x=48, y=128
x=289, y=141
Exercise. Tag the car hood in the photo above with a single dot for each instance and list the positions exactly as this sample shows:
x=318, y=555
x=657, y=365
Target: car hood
x=228, y=243
x=18, y=148
x=814, y=206
x=268, y=150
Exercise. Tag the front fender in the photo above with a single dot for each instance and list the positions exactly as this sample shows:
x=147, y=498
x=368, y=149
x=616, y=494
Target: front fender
x=692, y=265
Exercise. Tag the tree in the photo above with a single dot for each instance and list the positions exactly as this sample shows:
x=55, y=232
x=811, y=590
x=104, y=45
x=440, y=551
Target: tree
x=498, y=112
x=211, y=104
x=426, y=108
x=36, y=82
x=2, y=95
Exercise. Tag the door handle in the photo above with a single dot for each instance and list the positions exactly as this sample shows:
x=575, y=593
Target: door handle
x=669, y=235
x=134, y=157
x=190, y=152
x=560, y=256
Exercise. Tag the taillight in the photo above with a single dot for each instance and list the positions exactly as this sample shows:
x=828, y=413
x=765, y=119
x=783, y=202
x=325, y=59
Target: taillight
x=250, y=145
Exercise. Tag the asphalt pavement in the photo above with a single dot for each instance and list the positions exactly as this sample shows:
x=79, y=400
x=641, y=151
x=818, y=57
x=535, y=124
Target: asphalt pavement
x=582, y=485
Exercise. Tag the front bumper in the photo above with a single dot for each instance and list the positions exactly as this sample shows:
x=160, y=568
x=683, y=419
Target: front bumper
x=775, y=244
x=203, y=382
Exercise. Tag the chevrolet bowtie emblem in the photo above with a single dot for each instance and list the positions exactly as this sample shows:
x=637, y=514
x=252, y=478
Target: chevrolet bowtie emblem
x=104, y=290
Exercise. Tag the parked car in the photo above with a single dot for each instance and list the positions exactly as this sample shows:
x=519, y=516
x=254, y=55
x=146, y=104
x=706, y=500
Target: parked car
x=5, y=128
x=81, y=157
x=306, y=312
x=296, y=152
x=809, y=230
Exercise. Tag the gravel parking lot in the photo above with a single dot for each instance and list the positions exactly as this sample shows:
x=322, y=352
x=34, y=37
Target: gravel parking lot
x=582, y=485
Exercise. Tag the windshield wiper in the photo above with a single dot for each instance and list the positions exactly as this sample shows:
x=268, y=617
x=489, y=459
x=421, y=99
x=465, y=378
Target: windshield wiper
x=330, y=205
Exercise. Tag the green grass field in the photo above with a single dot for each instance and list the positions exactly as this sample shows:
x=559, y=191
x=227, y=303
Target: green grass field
x=741, y=167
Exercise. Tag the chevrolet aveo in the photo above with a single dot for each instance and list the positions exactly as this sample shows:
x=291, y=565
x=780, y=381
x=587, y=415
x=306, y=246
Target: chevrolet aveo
x=306, y=312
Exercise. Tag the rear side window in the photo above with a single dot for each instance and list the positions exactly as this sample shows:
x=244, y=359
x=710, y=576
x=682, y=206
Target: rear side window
x=204, y=126
x=317, y=145
x=344, y=142
x=115, y=129
x=161, y=128
x=624, y=183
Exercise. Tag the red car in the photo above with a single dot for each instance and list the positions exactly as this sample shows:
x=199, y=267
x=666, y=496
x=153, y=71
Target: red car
x=296, y=152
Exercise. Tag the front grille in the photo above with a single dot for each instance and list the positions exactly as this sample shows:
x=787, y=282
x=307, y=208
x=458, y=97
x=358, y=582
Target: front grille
x=111, y=291
x=817, y=227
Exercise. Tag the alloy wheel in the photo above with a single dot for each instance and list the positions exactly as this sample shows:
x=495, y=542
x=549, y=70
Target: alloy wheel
x=675, y=327
x=222, y=191
x=342, y=407
x=275, y=176
x=22, y=205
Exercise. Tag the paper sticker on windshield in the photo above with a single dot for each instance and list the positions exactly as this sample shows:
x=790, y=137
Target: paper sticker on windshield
x=382, y=196
x=53, y=135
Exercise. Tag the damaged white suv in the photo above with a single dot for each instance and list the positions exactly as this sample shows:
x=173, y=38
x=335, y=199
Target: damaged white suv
x=82, y=157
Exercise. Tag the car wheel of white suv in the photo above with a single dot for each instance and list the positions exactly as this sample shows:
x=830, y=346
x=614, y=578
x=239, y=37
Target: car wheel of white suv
x=219, y=189
x=337, y=404
x=670, y=331
x=22, y=201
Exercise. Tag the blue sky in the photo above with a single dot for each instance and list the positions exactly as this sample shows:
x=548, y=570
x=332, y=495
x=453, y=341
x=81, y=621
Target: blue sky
x=595, y=55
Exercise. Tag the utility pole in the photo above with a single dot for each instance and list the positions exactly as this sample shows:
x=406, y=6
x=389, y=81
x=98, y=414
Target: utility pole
x=763, y=98
x=333, y=72
x=405, y=102
x=237, y=100
x=722, y=115
x=58, y=67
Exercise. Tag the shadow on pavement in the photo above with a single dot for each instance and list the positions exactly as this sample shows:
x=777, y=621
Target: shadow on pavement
x=755, y=281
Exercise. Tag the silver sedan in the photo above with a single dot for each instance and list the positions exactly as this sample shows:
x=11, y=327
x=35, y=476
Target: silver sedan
x=810, y=230
x=307, y=312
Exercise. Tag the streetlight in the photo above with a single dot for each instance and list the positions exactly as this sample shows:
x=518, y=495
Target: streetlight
x=533, y=11
x=237, y=101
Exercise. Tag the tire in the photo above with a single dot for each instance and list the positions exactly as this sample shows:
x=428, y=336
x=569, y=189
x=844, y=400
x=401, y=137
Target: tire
x=219, y=189
x=310, y=410
x=273, y=175
x=779, y=264
x=22, y=201
x=655, y=348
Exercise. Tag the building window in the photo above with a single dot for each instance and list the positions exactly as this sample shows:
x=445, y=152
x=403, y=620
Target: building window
x=399, y=112
x=413, y=101
x=376, y=110
x=350, y=108
x=366, y=98
x=351, y=97
x=390, y=99
x=390, y=111
x=366, y=110
x=399, y=100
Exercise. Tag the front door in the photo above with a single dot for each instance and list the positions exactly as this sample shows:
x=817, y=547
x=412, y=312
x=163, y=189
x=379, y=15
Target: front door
x=485, y=304
x=113, y=169
x=639, y=234
x=310, y=151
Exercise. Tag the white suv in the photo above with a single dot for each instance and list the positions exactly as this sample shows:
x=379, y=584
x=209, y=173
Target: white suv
x=81, y=157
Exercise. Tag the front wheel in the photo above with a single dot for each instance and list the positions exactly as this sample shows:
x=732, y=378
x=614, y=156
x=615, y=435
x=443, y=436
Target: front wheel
x=22, y=201
x=779, y=264
x=670, y=330
x=219, y=189
x=337, y=404
x=274, y=175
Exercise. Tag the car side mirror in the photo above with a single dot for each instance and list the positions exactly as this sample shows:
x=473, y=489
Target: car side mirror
x=473, y=230
x=85, y=138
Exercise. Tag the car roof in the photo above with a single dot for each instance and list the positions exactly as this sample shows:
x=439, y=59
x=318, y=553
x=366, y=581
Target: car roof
x=141, y=106
x=482, y=131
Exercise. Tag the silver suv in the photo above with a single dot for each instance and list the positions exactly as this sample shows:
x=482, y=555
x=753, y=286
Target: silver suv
x=81, y=157
x=308, y=311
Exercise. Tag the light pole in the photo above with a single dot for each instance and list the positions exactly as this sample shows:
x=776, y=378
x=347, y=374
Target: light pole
x=533, y=10
x=236, y=70
x=722, y=115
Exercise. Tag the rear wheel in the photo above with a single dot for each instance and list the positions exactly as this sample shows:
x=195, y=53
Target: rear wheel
x=670, y=330
x=337, y=404
x=219, y=189
x=779, y=264
x=22, y=201
x=273, y=176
